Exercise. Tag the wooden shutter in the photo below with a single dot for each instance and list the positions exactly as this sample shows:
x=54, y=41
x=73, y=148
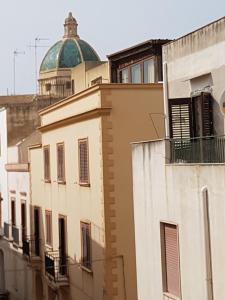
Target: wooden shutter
x=48, y=222
x=180, y=114
x=60, y=163
x=83, y=162
x=171, y=259
x=86, y=244
x=46, y=163
x=207, y=115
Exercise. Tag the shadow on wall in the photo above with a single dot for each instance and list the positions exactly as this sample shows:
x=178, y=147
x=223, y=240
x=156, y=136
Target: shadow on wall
x=67, y=278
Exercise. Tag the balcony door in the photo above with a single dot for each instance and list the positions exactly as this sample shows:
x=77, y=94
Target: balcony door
x=62, y=245
x=36, y=231
x=23, y=220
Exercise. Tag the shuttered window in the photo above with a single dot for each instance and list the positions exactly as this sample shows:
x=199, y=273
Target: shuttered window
x=180, y=118
x=60, y=163
x=83, y=162
x=46, y=151
x=86, y=244
x=48, y=227
x=207, y=114
x=170, y=259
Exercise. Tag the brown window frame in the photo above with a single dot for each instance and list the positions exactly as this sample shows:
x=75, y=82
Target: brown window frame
x=48, y=227
x=84, y=180
x=86, y=262
x=165, y=257
x=141, y=63
x=60, y=177
x=47, y=166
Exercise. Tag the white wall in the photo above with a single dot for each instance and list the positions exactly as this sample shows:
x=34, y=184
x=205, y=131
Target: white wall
x=172, y=193
x=3, y=161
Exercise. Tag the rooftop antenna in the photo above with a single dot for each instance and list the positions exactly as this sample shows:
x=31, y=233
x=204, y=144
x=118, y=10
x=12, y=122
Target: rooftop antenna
x=15, y=53
x=35, y=46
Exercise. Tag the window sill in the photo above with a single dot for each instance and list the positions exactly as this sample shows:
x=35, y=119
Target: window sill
x=47, y=180
x=86, y=270
x=61, y=182
x=171, y=296
x=84, y=184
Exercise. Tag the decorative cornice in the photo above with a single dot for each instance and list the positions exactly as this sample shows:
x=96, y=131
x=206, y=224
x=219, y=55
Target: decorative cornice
x=92, y=114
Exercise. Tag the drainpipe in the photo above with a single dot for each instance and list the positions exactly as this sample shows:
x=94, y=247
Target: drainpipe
x=165, y=98
x=207, y=238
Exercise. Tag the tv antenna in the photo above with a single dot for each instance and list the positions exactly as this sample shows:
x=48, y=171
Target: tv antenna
x=15, y=53
x=35, y=46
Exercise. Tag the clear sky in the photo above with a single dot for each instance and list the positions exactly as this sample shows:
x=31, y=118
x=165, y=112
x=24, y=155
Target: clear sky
x=109, y=26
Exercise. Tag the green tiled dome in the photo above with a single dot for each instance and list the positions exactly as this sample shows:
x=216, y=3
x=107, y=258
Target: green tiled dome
x=68, y=53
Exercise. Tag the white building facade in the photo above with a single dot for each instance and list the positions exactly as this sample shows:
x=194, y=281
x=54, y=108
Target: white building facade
x=179, y=182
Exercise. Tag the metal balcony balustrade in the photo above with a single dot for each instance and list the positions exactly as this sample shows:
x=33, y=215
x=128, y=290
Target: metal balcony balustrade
x=31, y=246
x=209, y=149
x=16, y=234
x=56, y=267
x=4, y=295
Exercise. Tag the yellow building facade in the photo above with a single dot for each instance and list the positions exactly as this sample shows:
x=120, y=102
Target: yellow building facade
x=81, y=179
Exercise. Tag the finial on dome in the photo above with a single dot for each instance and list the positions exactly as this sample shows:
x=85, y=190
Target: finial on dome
x=70, y=27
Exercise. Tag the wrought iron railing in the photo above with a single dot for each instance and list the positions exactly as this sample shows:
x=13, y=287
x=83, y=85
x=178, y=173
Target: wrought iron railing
x=198, y=150
x=16, y=234
x=7, y=228
x=4, y=295
x=56, y=266
x=31, y=246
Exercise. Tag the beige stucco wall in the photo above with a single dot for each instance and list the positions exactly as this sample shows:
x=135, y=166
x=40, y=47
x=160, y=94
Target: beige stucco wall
x=84, y=73
x=175, y=196
x=135, y=113
x=74, y=201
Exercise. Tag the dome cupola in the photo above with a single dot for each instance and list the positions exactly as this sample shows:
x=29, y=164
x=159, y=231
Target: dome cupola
x=70, y=51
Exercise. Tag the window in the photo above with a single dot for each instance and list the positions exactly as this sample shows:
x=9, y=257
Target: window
x=60, y=163
x=46, y=150
x=86, y=244
x=149, y=72
x=124, y=76
x=48, y=227
x=136, y=73
x=48, y=87
x=83, y=162
x=139, y=72
x=23, y=220
x=13, y=211
x=170, y=259
x=97, y=80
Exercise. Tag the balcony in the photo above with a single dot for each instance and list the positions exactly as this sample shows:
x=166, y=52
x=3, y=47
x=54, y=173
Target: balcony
x=15, y=235
x=56, y=268
x=31, y=248
x=198, y=150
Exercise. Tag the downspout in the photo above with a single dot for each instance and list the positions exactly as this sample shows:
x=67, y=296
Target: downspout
x=165, y=98
x=207, y=238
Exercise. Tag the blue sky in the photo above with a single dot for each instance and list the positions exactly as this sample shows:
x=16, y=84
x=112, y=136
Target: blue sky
x=109, y=26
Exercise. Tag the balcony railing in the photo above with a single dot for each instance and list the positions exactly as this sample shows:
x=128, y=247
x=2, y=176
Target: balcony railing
x=31, y=246
x=4, y=295
x=198, y=150
x=56, y=267
x=7, y=228
x=16, y=234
